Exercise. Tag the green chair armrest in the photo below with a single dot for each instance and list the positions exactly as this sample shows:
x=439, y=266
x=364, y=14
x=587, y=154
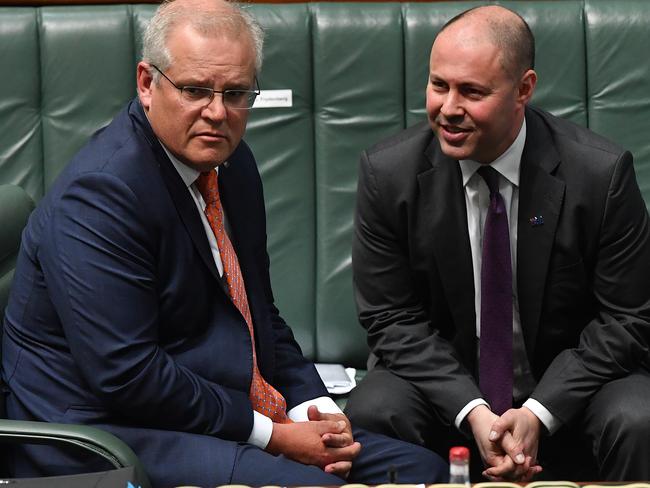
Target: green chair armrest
x=92, y=439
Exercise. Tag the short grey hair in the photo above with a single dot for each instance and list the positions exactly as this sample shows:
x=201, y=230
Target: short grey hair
x=233, y=19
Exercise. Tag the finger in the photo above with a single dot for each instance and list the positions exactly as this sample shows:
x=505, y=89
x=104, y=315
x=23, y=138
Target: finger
x=337, y=417
x=527, y=476
x=337, y=440
x=500, y=426
x=339, y=468
x=532, y=471
x=487, y=473
x=520, y=472
x=532, y=462
x=347, y=453
x=492, y=478
x=525, y=472
x=326, y=416
x=313, y=413
x=513, y=448
x=504, y=469
x=330, y=427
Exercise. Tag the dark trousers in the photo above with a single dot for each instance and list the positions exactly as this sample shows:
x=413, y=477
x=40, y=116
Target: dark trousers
x=381, y=459
x=610, y=441
x=409, y=464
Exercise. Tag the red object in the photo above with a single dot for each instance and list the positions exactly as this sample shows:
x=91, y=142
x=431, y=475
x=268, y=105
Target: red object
x=458, y=453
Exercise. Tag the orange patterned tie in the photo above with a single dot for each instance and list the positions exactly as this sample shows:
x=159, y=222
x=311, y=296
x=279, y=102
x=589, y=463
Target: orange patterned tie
x=264, y=398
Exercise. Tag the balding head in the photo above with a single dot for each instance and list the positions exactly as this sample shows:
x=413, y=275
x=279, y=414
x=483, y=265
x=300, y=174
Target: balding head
x=479, y=83
x=501, y=27
x=208, y=17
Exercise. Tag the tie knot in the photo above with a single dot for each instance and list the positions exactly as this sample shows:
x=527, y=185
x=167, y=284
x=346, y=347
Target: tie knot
x=208, y=186
x=491, y=177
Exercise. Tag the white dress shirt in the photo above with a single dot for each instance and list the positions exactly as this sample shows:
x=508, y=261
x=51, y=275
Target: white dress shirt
x=262, y=425
x=477, y=198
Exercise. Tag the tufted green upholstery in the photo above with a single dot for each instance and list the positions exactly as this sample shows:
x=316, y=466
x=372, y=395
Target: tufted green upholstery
x=357, y=72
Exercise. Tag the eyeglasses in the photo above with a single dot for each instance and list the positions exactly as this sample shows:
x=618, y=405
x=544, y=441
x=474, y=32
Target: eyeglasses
x=201, y=96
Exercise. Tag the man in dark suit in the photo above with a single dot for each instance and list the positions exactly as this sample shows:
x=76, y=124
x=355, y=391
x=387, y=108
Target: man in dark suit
x=142, y=301
x=502, y=269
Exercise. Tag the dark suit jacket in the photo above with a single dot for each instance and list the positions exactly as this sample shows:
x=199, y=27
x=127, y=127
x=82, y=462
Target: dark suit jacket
x=583, y=276
x=118, y=318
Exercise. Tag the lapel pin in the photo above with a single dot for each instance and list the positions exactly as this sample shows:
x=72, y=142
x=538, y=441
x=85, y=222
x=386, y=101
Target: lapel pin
x=537, y=220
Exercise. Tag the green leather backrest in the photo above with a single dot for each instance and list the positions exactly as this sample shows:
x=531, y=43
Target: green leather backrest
x=357, y=73
x=358, y=84
x=283, y=142
x=617, y=38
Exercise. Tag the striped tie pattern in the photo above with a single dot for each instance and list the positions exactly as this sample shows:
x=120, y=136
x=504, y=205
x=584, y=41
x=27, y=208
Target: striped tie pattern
x=264, y=398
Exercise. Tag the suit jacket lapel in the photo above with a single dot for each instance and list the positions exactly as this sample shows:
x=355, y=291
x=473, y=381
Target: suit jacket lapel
x=444, y=223
x=179, y=193
x=540, y=201
x=191, y=220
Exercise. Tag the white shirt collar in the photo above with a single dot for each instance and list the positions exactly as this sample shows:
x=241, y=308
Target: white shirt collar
x=507, y=164
x=187, y=174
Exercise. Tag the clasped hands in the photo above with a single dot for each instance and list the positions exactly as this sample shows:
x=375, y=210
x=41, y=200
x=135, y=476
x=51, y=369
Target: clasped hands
x=325, y=440
x=508, y=444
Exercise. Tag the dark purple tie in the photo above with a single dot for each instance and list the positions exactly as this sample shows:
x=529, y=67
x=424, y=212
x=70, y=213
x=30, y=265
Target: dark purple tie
x=495, y=362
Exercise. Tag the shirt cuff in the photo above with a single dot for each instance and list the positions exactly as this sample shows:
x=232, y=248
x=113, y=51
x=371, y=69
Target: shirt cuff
x=262, y=430
x=550, y=422
x=263, y=426
x=467, y=409
x=325, y=405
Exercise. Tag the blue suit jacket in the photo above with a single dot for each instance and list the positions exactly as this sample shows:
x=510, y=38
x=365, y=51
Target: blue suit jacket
x=118, y=317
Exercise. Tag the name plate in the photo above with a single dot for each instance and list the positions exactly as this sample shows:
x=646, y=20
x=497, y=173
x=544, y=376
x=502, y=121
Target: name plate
x=274, y=99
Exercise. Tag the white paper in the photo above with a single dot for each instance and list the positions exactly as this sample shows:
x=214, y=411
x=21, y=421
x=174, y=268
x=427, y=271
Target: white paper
x=337, y=379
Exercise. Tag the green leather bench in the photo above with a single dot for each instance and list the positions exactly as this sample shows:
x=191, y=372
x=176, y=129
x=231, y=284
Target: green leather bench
x=357, y=73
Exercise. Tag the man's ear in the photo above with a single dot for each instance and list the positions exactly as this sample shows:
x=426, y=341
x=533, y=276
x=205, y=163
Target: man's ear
x=145, y=83
x=527, y=85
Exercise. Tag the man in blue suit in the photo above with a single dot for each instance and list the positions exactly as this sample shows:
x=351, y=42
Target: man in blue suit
x=142, y=302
